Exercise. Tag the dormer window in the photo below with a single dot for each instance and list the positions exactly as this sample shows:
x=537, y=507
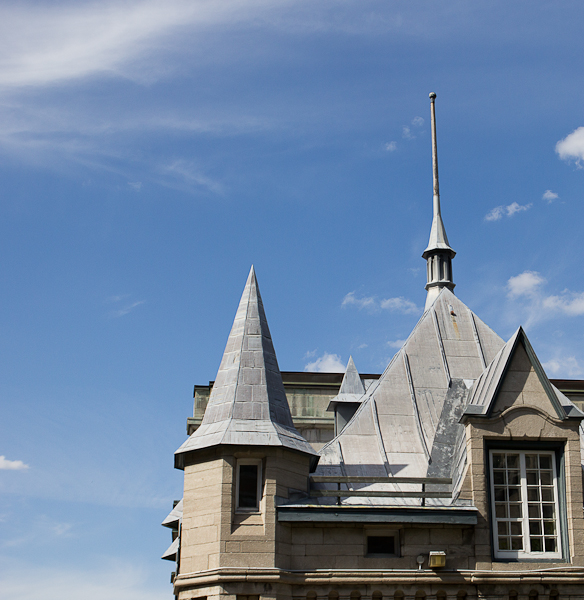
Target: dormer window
x=524, y=504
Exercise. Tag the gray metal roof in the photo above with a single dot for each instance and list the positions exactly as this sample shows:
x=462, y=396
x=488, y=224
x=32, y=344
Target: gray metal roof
x=352, y=388
x=171, y=551
x=174, y=517
x=248, y=404
x=407, y=424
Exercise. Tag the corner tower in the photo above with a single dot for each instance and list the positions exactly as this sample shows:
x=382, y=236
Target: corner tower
x=438, y=254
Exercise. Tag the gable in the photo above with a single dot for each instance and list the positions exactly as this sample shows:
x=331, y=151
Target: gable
x=521, y=386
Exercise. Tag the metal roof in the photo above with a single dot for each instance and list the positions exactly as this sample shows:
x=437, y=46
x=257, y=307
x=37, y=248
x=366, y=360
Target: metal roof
x=352, y=388
x=248, y=404
x=408, y=422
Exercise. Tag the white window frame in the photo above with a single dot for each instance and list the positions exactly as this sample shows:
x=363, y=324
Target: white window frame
x=258, y=463
x=526, y=552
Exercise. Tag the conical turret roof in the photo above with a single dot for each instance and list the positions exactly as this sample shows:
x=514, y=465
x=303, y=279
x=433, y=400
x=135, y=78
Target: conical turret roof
x=248, y=404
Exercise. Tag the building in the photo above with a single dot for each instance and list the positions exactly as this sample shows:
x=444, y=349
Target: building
x=456, y=473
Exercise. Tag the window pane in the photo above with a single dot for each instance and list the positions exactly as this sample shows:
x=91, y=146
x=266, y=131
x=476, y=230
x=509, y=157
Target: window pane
x=248, y=486
x=545, y=461
x=534, y=511
x=550, y=545
x=536, y=544
x=515, y=511
x=516, y=543
x=512, y=461
x=535, y=527
x=548, y=511
x=498, y=461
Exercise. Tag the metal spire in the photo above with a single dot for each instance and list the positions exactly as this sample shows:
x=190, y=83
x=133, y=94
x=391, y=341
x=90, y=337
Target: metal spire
x=438, y=253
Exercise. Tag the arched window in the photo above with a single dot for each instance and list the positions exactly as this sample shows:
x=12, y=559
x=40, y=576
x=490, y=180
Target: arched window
x=398, y=595
x=440, y=595
x=461, y=595
x=355, y=595
x=333, y=595
x=513, y=595
x=533, y=595
x=311, y=596
x=377, y=595
x=420, y=595
x=554, y=595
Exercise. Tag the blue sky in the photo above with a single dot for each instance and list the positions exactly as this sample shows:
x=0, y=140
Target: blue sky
x=150, y=152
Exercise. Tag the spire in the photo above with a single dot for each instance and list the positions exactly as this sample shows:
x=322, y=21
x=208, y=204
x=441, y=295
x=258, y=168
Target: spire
x=248, y=404
x=352, y=385
x=438, y=254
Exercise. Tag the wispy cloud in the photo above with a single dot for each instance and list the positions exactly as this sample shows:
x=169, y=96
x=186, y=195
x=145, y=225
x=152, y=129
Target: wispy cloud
x=126, y=308
x=499, y=212
x=568, y=366
x=407, y=133
x=190, y=174
x=135, y=185
x=396, y=343
x=417, y=121
x=549, y=196
x=12, y=465
x=327, y=363
x=390, y=146
x=572, y=146
x=374, y=304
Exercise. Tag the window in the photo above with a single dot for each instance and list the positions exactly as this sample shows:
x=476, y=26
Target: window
x=249, y=485
x=524, y=504
x=382, y=543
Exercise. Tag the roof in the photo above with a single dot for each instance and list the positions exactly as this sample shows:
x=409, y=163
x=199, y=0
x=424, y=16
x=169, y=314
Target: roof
x=248, y=404
x=408, y=422
x=484, y=393
x=352, y=388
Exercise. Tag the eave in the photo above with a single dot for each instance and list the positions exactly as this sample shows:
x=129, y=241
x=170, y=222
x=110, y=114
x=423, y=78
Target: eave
x=459, y=515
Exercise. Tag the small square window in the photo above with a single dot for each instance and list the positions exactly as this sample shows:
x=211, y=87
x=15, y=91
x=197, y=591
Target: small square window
x=382, y=543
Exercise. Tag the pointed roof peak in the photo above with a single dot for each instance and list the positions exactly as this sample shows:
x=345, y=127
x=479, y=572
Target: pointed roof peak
x=352, y=383
x=248, y=404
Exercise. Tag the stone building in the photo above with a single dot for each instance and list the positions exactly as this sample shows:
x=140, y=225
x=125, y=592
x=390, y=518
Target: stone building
x=456, y=473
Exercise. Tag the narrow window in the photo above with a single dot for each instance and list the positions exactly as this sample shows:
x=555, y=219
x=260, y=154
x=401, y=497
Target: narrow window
x=249, y=476
x=524, y=503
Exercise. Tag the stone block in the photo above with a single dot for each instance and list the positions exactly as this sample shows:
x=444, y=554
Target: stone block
x=445, y=536
x=307, y=535
x=416, y=537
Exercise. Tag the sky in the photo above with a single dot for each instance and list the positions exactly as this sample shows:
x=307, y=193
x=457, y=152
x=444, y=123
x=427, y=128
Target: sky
x=151, y=152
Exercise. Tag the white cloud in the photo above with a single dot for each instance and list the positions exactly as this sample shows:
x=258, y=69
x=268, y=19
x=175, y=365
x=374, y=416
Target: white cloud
x=418, y=121
x=327, y=363
x=569, y=303
x=399, y=304
x=572, y=146
x=549, y=196
x=135, y=185
x=372, y=304
x=391, y=146
x=368, y=302
x=407, y=133
x=500, y=211
x=524, y=284
x=396, y=343
x=46, y=44
x=12, y=465
x=568, y=366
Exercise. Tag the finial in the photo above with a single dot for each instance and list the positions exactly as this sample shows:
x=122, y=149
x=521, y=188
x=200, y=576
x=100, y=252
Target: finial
x=435, y=156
